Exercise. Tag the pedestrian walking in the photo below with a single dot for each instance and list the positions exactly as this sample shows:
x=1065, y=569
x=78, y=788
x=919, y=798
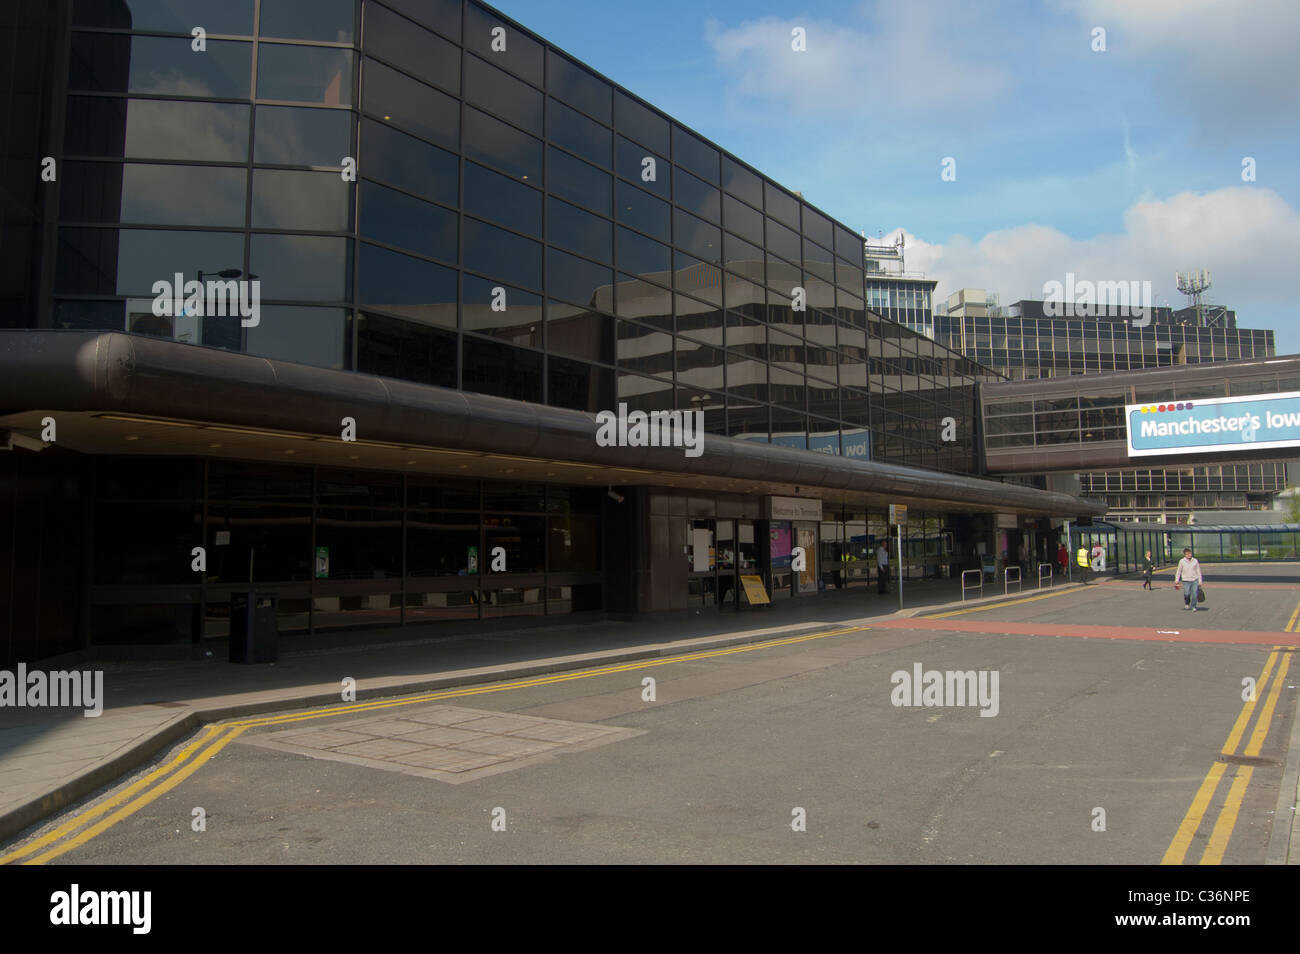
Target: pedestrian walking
x=1189, y=575
x=882, y=569
x=1148, y=567
x=1063, y=558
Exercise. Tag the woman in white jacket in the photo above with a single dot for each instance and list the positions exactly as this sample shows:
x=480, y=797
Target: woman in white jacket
x=1189, y=574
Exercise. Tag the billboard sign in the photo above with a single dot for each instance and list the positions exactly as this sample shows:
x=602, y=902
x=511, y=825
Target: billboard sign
x=1250, y=422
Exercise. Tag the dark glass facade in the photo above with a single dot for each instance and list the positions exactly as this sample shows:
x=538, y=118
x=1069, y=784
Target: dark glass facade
x=428, y=193
x=517, y=226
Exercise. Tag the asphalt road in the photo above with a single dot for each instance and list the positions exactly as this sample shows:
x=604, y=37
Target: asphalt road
x=1113, y=706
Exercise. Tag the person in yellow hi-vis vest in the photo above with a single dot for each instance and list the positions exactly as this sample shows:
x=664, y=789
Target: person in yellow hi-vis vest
x=1085, y=564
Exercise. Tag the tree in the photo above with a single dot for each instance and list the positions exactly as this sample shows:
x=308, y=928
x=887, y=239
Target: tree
x=1293, y=505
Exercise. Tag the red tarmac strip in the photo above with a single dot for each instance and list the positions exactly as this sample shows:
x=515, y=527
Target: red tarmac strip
x=1172, y=632
x=1129, y=584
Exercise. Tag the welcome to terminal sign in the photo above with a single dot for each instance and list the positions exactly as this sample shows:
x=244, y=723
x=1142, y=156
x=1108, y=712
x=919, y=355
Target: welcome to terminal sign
x=1253, y=422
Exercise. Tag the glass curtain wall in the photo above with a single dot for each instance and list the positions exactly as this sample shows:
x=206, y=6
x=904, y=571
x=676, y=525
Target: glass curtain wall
x=455, y=202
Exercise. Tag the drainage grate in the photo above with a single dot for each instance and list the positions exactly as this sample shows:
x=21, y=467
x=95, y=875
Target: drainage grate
x=1247, y=759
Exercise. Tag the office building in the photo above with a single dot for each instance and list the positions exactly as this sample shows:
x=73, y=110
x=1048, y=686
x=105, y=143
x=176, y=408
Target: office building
x=466, y=246
x=1024, y=342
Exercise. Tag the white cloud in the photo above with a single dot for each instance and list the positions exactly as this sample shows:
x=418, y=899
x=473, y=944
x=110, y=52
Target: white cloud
x=903, y=57
x=1223, y=64
x=1248, y=237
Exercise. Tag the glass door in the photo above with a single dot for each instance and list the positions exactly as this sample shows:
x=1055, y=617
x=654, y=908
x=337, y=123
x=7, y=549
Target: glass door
x=702, y=563
x=728, y=588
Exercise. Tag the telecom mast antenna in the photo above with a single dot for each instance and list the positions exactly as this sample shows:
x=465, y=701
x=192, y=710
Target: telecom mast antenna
x=1194, y=285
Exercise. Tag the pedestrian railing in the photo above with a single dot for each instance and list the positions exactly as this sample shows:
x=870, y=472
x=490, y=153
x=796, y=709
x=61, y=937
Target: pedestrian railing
x=1007, y=579
x=978, y=585
x=1048, y=576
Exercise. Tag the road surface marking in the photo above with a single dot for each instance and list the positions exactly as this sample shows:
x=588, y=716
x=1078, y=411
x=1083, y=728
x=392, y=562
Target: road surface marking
x=209, y=732
x=1182, y=839
x=218, y=735
x=1219, y=838
x=1294, y=625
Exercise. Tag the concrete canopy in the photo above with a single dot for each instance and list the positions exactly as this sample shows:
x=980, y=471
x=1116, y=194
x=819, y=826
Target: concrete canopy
x=107, y=382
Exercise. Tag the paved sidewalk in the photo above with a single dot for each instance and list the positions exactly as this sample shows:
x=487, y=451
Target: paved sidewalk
x=50, y=758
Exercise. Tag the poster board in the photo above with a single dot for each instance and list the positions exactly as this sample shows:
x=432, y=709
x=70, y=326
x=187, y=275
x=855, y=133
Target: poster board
x=755, y=594
x=807, y=537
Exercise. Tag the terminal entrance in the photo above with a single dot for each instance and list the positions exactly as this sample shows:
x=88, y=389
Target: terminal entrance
x=718, y=553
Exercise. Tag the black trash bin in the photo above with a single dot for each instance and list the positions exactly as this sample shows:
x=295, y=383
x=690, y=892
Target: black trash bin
x=254, y=626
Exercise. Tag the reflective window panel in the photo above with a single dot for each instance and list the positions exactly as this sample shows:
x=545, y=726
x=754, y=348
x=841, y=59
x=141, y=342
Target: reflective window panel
x=410, y=105
x=408, y=163
x=741, y=181
x=577, y=87
x=396, y=218
x=514, y=50
x=517, y=317
x=301, y=334
x=693, y=153
x=569, y=227
x=130, y=261
x=407, y=286
x=404, y=349
x=642, y=211
x=152, y=195
x=440, y=15
x=502, y=95
x=307, y=267
x=578, y=281
x=410, y=48
x=167, y=16
x=490, y=367
x=632, y=162
x=575, y=132
x=578, y=182
x=641, y=123
x=502, y=146
x=153, y=64
x=500, y=254
x=156, y=129
x=329, y=21
x=306, y=201
x=304, y=74
x=296, y=136
x=491, y=195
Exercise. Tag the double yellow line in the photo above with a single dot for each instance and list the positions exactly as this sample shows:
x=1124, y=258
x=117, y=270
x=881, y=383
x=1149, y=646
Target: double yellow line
x=1293, y=625
x=1227, y=820
x=82, y=826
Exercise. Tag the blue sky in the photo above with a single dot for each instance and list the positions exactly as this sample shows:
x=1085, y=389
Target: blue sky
x=1117, y=165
